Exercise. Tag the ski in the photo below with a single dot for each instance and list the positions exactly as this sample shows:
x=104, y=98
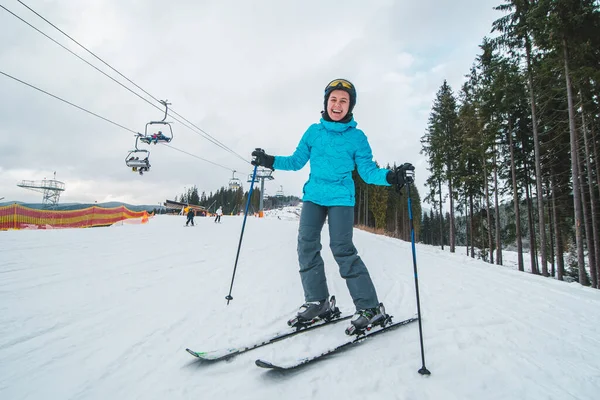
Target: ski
x=349, y=342
x=222, y=354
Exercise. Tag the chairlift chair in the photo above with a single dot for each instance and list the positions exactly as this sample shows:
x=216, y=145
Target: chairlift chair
x=138, y=159
x=234, y=183
x=161, y=135
x=280, y=192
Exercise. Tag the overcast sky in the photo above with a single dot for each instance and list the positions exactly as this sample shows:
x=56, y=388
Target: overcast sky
x=248, y=73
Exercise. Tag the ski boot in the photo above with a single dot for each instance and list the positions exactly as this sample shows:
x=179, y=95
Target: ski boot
x=365, y=320
x=311, y=312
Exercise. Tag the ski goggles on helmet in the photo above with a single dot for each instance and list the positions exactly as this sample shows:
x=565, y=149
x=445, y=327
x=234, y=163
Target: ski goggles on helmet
x=339, y=83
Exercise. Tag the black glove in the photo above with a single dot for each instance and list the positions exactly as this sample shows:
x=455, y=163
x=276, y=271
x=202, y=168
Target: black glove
x=262, y=159
x=397, y=177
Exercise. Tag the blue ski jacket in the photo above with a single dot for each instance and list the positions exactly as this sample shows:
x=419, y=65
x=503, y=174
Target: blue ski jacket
x=334, y=150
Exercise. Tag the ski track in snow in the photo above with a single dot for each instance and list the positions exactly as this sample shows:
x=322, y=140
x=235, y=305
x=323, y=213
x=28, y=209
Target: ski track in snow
x=108, y=312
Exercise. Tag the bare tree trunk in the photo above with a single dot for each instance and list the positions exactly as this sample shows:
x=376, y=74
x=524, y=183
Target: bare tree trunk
x=467, y=225
x=538, y=163
x=358, y=206
x=551, y=236
x=452, y=219
x=592, y=237
x=471, y=225
x=441, y=215
x=396, y=221
x=513, y=169
x=431, y=230
x=406, y=224
x=596, y=205
x=560, y=265
x=574, y=171
x=367, y=205
x=452, y=223
x=482, y=227
x=587, y=223
x=593, y=134
x=489, y=217
x=530, y=224
x=497, y=212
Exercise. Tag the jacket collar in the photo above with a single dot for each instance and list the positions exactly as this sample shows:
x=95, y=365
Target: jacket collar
x=338, y=126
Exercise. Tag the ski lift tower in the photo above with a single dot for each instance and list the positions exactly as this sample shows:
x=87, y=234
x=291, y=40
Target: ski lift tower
x=261, y=174
x=51, y=189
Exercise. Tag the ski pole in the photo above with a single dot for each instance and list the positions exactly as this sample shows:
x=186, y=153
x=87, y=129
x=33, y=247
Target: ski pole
x=409, y=178
x=228, y=297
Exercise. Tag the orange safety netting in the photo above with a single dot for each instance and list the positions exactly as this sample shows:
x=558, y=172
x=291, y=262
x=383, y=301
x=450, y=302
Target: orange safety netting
x=16, y=216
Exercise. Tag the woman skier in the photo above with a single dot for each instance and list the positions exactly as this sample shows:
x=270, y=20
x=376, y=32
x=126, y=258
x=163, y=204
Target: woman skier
x=335, y=147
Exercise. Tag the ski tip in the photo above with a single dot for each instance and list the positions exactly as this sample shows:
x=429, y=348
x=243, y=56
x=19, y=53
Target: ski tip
x=264, y=364
x=194, y=353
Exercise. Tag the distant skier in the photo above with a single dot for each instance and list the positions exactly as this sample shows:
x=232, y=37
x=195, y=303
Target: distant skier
x=190, y=217
x=335, y=148
x=219, y=213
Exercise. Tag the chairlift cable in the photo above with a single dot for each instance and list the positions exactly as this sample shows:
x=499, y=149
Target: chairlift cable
x=68, y=102
x=103, y=118
x=195, y=156
x=96, y=68
x=78, y=56
x=215, y=140
x=204, y=133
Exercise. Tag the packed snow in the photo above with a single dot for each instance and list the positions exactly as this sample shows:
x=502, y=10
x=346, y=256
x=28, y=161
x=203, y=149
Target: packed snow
x=106, y=313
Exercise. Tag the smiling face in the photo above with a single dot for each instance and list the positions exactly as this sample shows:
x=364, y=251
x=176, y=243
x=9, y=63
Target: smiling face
x=338, y=105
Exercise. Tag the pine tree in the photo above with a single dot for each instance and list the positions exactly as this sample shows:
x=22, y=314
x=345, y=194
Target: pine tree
x=441, y=146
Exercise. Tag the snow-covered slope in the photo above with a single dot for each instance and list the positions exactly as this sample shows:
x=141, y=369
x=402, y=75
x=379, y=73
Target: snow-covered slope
x=107, y=313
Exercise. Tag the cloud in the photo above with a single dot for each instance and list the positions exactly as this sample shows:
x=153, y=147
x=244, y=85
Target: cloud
x=250, y=74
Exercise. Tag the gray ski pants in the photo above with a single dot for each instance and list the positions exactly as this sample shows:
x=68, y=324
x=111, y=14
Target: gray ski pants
x=312, y=267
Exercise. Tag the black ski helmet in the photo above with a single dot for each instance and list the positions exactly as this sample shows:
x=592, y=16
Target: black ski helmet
x=346, y=86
